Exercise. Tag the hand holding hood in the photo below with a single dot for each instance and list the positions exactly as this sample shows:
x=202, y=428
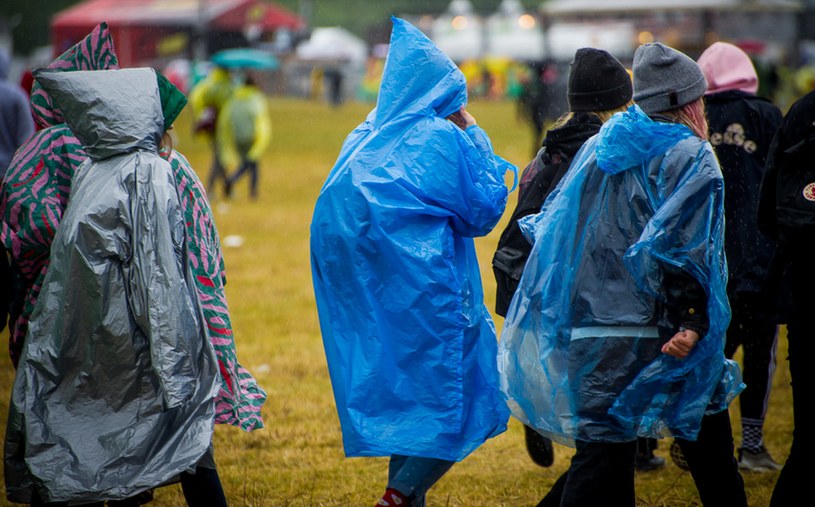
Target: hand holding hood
x=418, y=78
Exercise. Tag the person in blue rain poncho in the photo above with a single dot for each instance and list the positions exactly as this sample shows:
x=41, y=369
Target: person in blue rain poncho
x=617, y=328
x=410, y=345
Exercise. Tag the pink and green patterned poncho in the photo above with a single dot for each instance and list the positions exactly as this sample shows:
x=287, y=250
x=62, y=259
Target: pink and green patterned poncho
x=33, y=197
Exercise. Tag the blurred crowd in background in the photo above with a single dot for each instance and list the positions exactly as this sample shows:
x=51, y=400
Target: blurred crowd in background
x=512, y=52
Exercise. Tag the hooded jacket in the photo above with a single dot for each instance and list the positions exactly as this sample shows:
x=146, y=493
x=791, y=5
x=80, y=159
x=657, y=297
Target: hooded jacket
x=35, y=191
x=33, y=199
x=742, y=127
x=580, y=349
x=409, y=343
x=244, y=126
x=539, y=178
x=16, y=124
x=207, y=98
x=115, y=390
x=786, y=207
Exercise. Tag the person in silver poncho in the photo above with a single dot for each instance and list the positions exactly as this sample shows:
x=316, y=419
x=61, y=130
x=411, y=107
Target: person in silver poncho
x=115, y=388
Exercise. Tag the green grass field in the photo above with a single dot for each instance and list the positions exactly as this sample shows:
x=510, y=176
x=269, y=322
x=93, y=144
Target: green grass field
x=297, y=459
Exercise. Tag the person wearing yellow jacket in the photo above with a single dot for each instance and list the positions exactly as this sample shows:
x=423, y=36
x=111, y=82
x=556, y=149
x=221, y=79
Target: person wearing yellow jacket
x=207, y=99
x=243, y=133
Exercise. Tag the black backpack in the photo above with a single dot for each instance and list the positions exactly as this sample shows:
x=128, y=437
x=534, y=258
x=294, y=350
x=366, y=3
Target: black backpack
x=538, y=180
x=795, y=185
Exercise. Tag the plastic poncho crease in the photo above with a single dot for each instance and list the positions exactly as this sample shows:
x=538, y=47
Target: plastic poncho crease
x=33, y=198
x=580, y=349
x=409, y=344
x=115, y=390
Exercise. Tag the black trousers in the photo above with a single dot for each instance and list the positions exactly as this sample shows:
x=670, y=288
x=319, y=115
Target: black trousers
x=793, y=482
x=201, y=489
x=216, y=170
x=713, y=465
x=247, y=166
x=753, y=330
x=602, y=473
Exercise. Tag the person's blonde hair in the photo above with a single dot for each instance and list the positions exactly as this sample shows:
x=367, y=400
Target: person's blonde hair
x=603, y=115
x=692, y=115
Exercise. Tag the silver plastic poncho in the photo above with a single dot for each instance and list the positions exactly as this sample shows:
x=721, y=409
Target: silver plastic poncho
x=115, y=388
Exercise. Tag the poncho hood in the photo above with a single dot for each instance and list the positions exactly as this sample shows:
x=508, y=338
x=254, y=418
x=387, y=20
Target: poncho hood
x=727, y=67
x=108, y=110
x=418, y=79
x=631, y=139
x=94, y=52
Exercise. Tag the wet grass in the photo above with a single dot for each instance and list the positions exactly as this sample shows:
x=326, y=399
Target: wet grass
x=297, y=459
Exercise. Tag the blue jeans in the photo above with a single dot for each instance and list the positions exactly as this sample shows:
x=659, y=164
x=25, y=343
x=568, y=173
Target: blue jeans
x=413, y=476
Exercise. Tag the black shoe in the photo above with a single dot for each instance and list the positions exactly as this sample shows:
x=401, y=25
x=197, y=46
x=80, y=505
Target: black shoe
x=539, y=447
x=142, y=498
x=648, y=462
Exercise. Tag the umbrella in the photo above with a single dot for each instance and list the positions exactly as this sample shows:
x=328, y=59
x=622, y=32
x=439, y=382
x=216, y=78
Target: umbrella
x=245, y=58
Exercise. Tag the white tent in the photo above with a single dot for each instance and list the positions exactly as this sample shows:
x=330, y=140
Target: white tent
x=458, y=32
x=333, y=43
x=513, y=33
x=688, y=25
x=562, y=7
x=618, y=38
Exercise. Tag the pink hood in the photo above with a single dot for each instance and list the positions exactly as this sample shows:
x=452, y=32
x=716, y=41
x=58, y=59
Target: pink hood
x=727, y=67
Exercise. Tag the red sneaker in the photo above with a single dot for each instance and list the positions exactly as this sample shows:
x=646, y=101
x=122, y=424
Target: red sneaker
x=393, y=498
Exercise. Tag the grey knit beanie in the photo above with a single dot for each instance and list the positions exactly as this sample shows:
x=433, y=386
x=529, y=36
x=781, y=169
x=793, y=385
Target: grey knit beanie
x=665, y=78
x=597, y=82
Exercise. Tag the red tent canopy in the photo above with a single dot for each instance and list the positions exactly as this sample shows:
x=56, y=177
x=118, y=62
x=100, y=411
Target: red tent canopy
x=276, y=16
x=263, y=14
x=147, y=29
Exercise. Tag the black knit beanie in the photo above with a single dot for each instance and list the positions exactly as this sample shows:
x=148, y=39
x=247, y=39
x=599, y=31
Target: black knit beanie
x=597, y=82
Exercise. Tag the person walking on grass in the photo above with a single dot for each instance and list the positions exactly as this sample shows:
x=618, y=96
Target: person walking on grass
x=33, y=201
x=409, y=343
x=598, y=87
x=117, y=317
x=787, y=212
x=742, y=126
x=207, y=98
x=617, y=328
x=16, y=124
x=243, y=134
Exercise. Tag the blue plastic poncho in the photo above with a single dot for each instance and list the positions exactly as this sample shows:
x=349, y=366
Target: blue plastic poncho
x=410, y=345
x=580, y=349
